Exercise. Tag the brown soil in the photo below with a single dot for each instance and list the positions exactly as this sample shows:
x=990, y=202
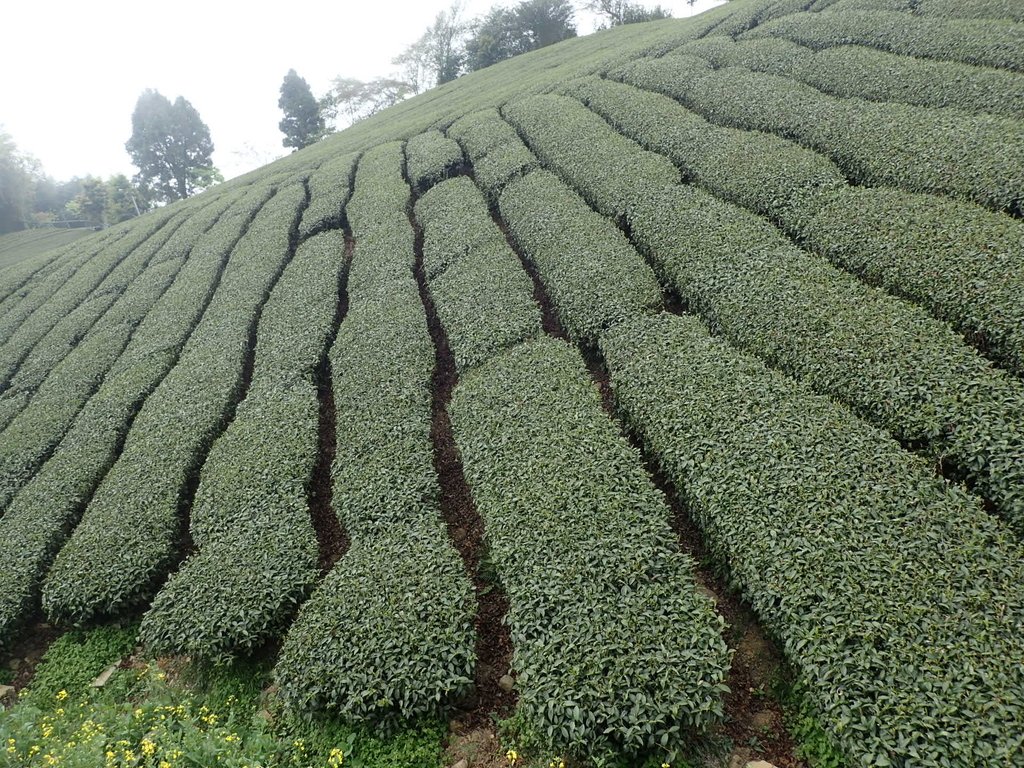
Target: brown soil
x=331, y=537
x=466, y=529
x=549, y=319
x=753, y=717
x=479, y=747
x=24, y=655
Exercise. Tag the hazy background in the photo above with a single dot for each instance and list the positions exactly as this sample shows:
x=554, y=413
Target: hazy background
x=73, y=71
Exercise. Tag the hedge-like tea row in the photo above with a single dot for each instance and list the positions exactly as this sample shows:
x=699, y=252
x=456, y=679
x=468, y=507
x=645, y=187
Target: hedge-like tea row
x=109, y=305
x=976, y=9
x=250, y=521
x=88, y=292
x=614, y=645
x=431, y=157
x=130, y=532
x=964, y=264
x=495, y=150
x=888, y=360
x=34, y=292
x=389, y=632
x=855, y=71
x=482, y=295
x=329, y=190
x=752, y=14
x=36, y=417
x=17, y=279
x=925, y=259
x=766, y=174
x=32, y=433
x=952, y=9
x=896, y=598
x=43, y=514
x=551, y=126
x=592, y=274
x=977, y=157
x=982, y=42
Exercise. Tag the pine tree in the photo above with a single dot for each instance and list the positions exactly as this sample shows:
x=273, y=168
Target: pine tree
x=303, y=124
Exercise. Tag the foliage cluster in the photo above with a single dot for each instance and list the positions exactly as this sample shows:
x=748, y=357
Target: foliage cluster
x=171, y=147
x=977, y=157
x=882, y=581
x=498, y=155
x=330, y=186
x=965, y=264
x=42, y=515
x=303, y=123
x=483, y=298
x=257, y=550
x=556, y=143
x=769, y=175
x=389, y=631
x=615, y=647
x=130, y=532
x=892, y=363
x=978, y=269
x=855, y=71
x=984, y=42
x=431, y=157
x=593, y=275
x=67, y=355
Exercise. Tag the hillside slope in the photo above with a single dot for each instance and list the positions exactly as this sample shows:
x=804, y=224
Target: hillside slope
x=406, y=401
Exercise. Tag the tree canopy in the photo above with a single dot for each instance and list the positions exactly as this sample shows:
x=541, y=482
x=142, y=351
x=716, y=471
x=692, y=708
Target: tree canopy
x=17, y=181
x=303, y=122
x=618, y=12
x=171, y=147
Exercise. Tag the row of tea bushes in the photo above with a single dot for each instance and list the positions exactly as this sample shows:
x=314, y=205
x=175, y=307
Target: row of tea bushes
x=388, y=633
x=897, y=599
x=482, y=296
x=614, y=645
x=45, y=511
x=856, y=71
x=130, y=533
x=257, y=551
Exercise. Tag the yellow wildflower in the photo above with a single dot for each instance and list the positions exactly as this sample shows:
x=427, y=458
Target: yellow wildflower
x=336, y=758
x=512, y=756
x=47, y=730
x=148, y=748
x=62, y=694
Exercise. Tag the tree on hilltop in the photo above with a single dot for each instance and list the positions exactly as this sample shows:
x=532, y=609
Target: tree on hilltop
x=303, y=123
x=171, y=147
x=506, y=32
x=619, y=12
x=437, y=57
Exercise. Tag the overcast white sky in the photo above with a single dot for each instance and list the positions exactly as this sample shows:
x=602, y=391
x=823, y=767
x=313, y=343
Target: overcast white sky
x=73, y=70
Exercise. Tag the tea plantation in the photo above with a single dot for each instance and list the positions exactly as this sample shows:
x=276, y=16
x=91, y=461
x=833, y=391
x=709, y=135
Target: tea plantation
x=417, y=406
